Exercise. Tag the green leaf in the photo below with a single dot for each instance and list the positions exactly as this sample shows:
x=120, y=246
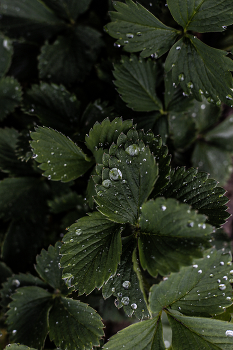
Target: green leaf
x=61, y=158
x=199, y=290
x=199, y=333
x=17, y=198
x=70, y=58
x=48, y=267
x=171, y=234
x=127, y=179
x=68, y=9
x=213, y=160
x=197, y=190
x=138, y=30
x=104, y=134
x=29, y=18
x=202, y=16
x=53, y=105
x=204, y=114
x=182, y=129
x=18, y=347
x=201, y=70
x=221, y=135
x=125, y=286
x=91, y=252
x=28, y=315
x=74, y=325
x=136, y=81
x=6, y=52
x=15, y=281
x=146, y=335
x=10, y=96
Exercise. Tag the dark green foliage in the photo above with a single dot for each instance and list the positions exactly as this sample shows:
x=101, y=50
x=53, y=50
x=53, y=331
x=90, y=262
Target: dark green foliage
x=112, y=158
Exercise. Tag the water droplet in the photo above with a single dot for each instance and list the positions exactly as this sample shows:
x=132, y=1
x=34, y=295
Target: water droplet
x=126, y=284
x=126, y=42
x=163, y=207
x=115, y=174
x=14, y=331
x=228, y=298
x=134, y=306
x=130, y=35
x=113, y=290
x=225, y=278
x=125, y=301
x=116, y=303
x=202, y=226
x=6, y=44
x=16, y=283
x=229, y=97
x=195, y=266
x=178, y=47
x=199, y=271
x=222, y=287
x=190, y=85
x=119, y=294
x=202, y=106
x=190, y=224
x=224, y=27
x=133, y=150
x=181, y=77
x=107, y=183
x=221, y=263
x=229, y=333
x=78, y=232
x=71, y=240
x=46, y=270
x=211, y=275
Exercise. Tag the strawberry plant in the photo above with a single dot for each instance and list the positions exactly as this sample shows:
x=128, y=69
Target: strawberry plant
x=115, y=145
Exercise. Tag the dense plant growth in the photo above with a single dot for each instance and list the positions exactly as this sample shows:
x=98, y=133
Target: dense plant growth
x=117, y=141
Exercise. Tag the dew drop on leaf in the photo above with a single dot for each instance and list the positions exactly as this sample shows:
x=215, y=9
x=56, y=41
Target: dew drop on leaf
x=107, y=183
x=134, y=306
x=181, y=77
x=133, y=150
x=221, y=263
x=199, y=271
x=115, y=174
x=126, y=284
x=229, y=333
x=222, y=287
x=125, y=301
x=163, y=207
x=78, y=232
x=16, y=283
